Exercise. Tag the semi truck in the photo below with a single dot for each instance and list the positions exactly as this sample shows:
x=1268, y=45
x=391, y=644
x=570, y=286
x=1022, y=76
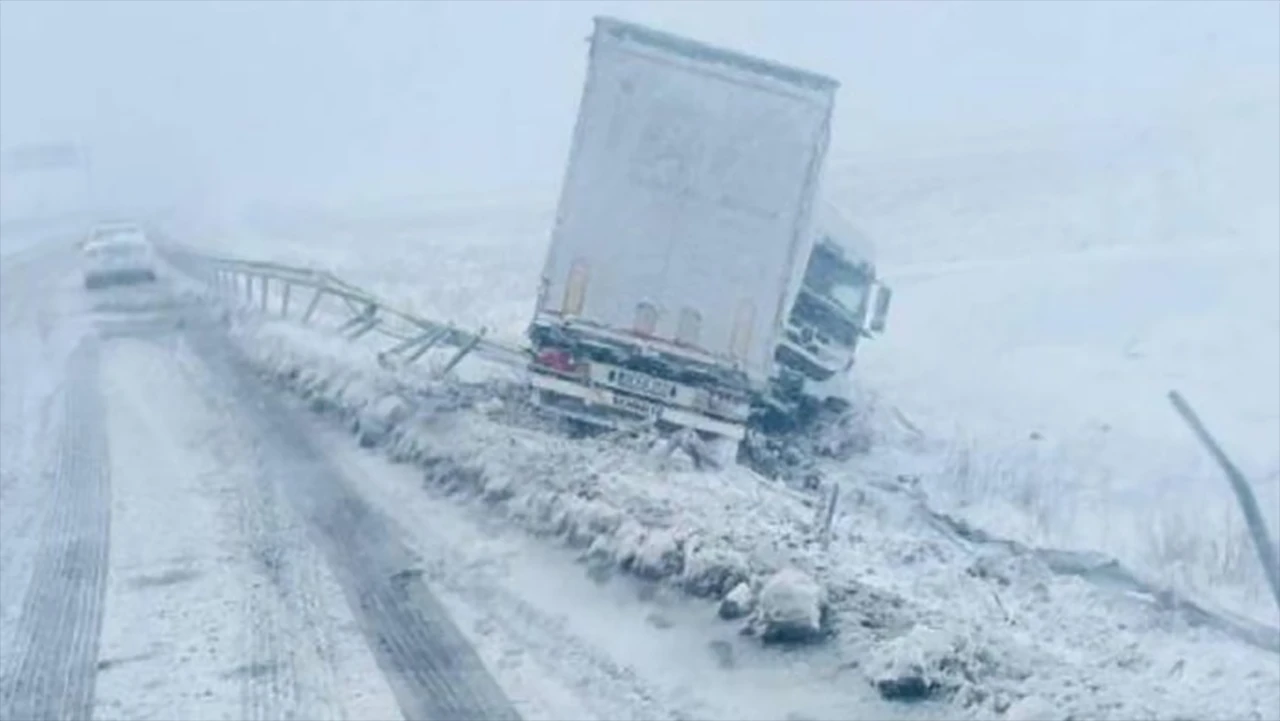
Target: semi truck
x=693, y=280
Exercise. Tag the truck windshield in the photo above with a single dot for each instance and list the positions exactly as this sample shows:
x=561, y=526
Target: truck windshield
x=833, y=275
x=834, y=293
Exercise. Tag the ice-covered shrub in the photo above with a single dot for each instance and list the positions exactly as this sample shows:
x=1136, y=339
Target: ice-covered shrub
x=791, y=608
x=925, y=662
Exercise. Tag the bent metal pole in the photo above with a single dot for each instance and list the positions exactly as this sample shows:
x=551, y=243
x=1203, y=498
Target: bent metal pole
x=1244, y=494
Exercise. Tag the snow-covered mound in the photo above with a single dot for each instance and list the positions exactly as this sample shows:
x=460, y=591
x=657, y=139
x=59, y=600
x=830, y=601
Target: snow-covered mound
x=908, y=605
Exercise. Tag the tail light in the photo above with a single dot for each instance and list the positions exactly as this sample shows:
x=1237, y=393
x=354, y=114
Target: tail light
x=558, y=359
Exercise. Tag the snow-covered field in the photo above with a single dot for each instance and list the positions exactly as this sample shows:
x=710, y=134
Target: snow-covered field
x=1050, y=290
x=1080, y=351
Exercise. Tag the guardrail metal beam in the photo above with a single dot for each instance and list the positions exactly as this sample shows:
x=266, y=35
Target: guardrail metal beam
x=415, y=335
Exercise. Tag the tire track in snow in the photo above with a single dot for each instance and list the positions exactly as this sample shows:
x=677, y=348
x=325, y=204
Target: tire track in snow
x=283, y=616
x=28, y=441
x=234, y=615
x=53, y=666
x=432, y=669
x=290, y=652
x=268, y=680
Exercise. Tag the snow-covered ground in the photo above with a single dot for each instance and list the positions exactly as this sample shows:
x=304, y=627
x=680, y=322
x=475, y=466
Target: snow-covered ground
x=919, y=604
x=1080, y=351
x=136, y=570
x=1062, y=290
x=1051, y=288
x=218, y=605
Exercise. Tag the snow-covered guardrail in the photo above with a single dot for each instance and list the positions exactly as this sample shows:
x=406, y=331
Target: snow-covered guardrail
x=286, y=290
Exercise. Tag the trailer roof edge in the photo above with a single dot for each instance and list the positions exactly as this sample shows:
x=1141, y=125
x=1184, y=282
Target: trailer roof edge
x=698, y=50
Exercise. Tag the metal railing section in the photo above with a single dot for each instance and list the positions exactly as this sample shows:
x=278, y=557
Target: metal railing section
x=277, y=288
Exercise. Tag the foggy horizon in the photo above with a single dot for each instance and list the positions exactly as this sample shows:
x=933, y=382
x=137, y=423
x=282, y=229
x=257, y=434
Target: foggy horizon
x=348, y=103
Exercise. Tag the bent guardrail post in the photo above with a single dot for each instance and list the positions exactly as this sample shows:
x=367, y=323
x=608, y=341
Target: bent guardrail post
x=284, y=300
x=1244, y=494
x=430, y=343
x=358, y=319
x=829, y=516
x=408, y=343
x=365, y=327
x=311, y=307
x=262, y=280
x=465, y=350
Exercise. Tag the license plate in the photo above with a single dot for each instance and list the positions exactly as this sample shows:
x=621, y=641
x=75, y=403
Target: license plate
x=639, y=407
x=640, y=383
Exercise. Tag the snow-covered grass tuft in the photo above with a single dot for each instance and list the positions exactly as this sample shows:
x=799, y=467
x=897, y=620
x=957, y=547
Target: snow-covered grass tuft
x=926, y=662
x=1192, y=538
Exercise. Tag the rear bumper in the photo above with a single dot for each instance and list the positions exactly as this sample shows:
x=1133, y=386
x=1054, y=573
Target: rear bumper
x=123, y=276
x=608, y=404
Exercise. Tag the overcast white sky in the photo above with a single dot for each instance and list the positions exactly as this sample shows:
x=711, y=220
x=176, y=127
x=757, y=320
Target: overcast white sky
x=416, y=98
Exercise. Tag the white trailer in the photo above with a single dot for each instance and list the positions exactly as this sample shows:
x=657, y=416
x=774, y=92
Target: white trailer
x=682, y=232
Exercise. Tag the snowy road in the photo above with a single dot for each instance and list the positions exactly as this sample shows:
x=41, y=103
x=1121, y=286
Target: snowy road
x=180, y=549
x=178, y=540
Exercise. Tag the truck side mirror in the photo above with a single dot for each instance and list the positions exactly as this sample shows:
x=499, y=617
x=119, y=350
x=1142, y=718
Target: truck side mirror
x=883, y=295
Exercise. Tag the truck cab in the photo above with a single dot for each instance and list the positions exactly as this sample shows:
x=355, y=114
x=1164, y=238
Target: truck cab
x=840, y=301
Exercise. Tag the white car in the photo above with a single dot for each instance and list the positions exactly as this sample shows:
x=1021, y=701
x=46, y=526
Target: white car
x=118, y=254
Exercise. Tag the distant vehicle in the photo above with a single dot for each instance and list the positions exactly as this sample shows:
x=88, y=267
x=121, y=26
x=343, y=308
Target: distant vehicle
x=691, y=281
x=117, y=253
